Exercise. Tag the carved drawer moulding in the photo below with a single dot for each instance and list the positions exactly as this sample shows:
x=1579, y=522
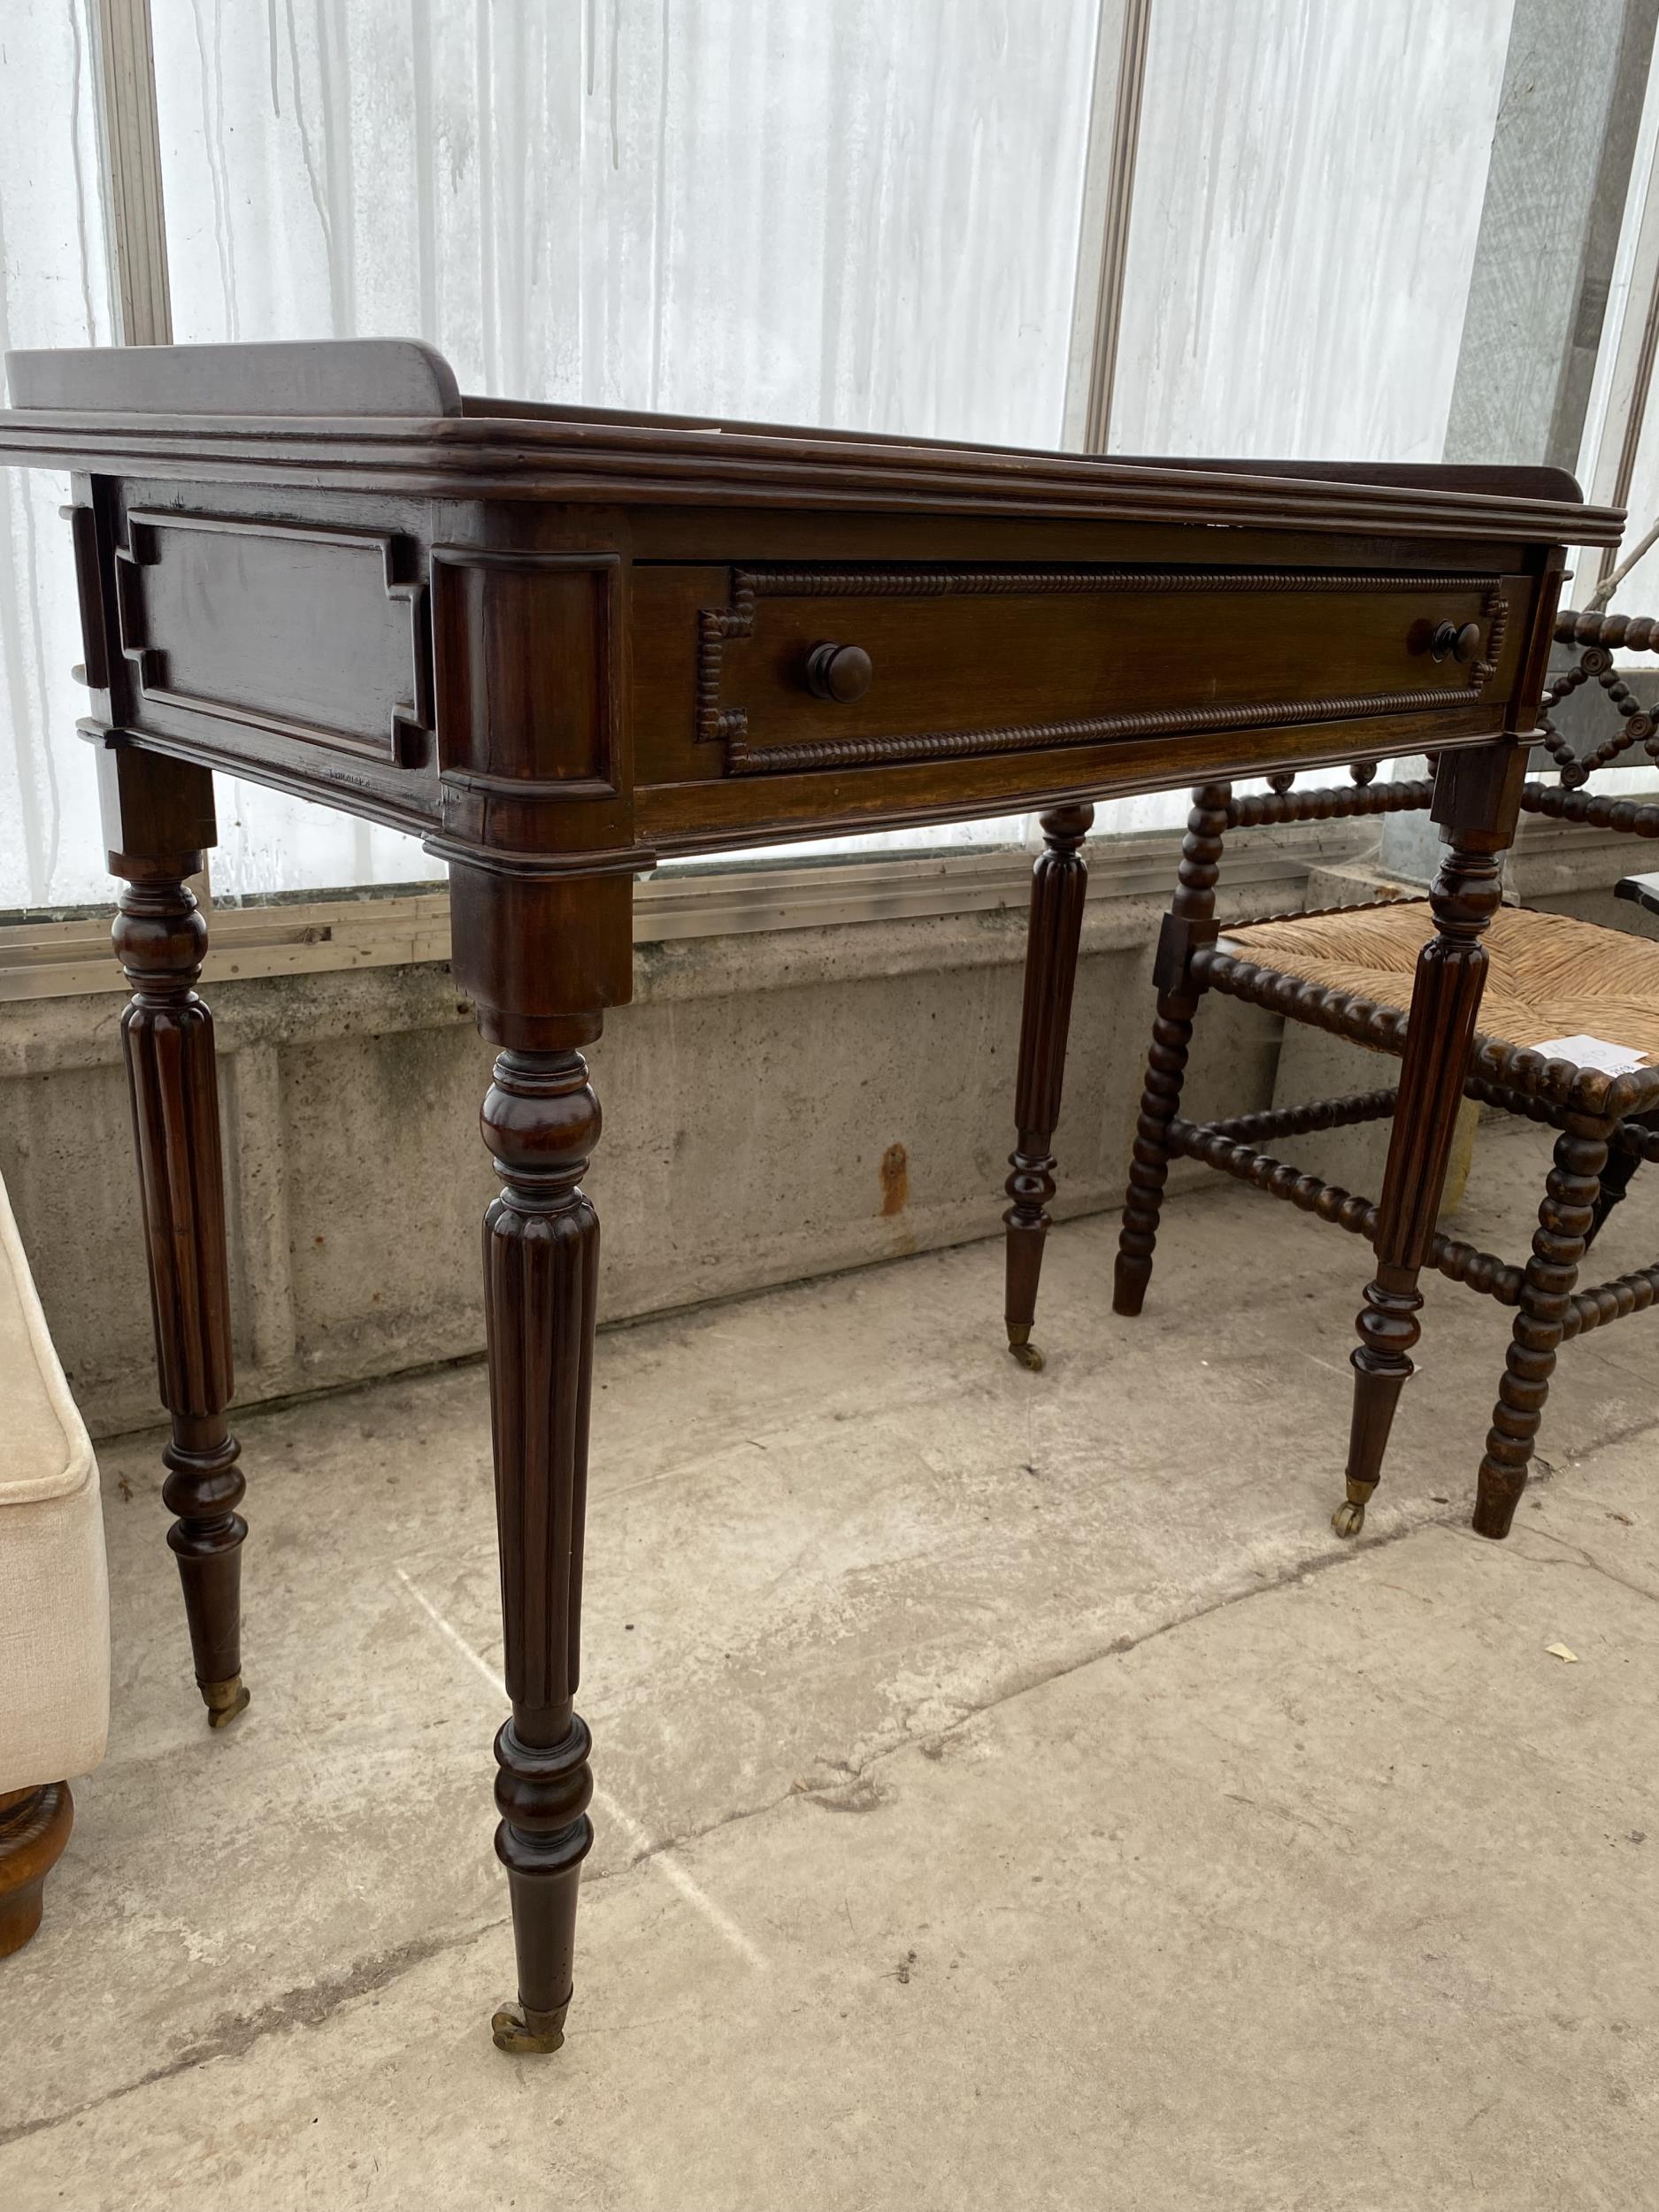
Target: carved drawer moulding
x=723, y=720
x=333, y=622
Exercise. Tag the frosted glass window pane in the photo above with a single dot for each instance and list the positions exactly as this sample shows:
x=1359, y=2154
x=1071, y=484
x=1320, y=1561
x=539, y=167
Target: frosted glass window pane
x=1307, y=198
x=858, y=214
x=54, y=291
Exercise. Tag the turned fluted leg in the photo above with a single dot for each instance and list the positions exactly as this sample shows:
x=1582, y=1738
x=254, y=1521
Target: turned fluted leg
x=1476, y=796
x=540, y=1120
x=167, y=1039
x=1190, y=922
x=1058, y=884
x=35, y=1826
x=1564, y=1222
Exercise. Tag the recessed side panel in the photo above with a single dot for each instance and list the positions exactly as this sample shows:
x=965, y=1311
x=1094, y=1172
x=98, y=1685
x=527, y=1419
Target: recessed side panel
x=314, y=635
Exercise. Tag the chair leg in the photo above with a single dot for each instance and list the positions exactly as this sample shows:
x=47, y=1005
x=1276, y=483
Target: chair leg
x=1566, y=1220
x=1058, y=884
x=1150, y=1164
x=1616, y=1182
x=1477, y=797
x=35, y=1826
x=1189, y=924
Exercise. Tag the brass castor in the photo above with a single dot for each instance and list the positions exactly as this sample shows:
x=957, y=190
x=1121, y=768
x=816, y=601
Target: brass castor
x=1349, y=1518
x=1021, y=1348
x=525, y=2033
x=224, y=1700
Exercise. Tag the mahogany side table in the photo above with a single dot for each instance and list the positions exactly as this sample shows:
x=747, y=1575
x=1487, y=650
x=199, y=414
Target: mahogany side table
x=558, y=645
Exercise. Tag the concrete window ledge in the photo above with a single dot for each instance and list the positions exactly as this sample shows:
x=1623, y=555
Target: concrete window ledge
x=817, y=1072
x=346, y=930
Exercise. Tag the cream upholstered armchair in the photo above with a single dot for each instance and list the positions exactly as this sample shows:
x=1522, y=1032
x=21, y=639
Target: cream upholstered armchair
x=54, y=1599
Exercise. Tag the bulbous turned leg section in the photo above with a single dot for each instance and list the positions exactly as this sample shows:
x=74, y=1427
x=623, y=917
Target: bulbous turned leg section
x=1389, y=1328
x=1025, y=1224
x=540, y=1120
x=1565, y=1221
x=168, y=1038
x=1059, y=884
x=35, y=1826
x=205, y=1485
x=545, y=1836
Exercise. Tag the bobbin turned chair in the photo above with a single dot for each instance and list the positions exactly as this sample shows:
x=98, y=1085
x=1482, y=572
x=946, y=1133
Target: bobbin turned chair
x=1349, y=971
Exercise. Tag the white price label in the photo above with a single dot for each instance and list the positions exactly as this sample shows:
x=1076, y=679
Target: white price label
x=1595, y=1052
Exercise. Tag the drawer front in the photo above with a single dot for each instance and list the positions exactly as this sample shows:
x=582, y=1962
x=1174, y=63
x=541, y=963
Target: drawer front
x=829, y=669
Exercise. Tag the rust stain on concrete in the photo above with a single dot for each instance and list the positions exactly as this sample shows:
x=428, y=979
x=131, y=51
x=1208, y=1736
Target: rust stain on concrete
x=895, y=1180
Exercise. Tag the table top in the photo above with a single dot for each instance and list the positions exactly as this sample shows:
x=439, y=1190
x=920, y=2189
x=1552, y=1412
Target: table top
x=341, y=411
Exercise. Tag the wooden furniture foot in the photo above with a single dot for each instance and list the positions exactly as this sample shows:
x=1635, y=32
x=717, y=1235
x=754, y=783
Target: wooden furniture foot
x=151, y=807
x=1565, y=1222
x=1388, y=1327
x=540, y=1119
x=1190, y=922
x=1477, y=799
x=1059, y=882
x=35, y=1826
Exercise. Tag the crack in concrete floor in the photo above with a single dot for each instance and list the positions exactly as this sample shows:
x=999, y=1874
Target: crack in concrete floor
x=307, y=2006
x=1577, y=1556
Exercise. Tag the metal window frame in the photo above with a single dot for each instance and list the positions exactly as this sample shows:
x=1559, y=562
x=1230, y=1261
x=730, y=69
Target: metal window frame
x=130, y=171
x=1635, y=349
x=1109, y=178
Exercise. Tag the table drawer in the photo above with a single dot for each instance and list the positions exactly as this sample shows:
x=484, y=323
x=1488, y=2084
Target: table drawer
x=831, y=669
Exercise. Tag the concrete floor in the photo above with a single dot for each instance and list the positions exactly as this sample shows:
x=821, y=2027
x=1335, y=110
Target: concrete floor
x=1011, y=1792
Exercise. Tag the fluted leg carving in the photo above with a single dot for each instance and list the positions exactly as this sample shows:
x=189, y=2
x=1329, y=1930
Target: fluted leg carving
x=1446, y=990
x=1058, y=885
x=167, y=1040
x=1190, y=922
x=540, y=1120
x=1564, y=1223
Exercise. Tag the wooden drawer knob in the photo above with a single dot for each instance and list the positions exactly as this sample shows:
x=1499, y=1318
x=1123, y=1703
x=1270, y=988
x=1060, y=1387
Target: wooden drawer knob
x=1461, y=644
x=841, y=672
